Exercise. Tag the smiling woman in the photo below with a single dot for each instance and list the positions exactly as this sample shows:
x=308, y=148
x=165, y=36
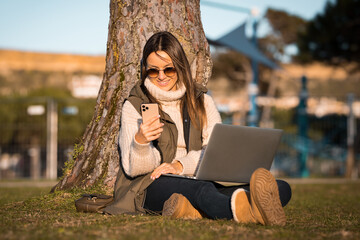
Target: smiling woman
x=175, y=145
x=161, y=71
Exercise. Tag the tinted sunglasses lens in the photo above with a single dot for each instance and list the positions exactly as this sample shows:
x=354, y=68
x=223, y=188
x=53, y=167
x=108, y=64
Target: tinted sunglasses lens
x=152, y=72
x=170, y=71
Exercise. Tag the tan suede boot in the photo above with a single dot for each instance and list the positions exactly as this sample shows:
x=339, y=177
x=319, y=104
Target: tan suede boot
x=241, y=208
x=178, y=206
x=265, y=199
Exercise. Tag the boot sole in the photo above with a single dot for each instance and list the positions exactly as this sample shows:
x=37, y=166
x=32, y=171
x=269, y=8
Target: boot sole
x=176, y=205
x=171, y=205
x=265, y=194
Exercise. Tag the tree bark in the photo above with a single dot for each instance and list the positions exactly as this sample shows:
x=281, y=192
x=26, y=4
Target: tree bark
x=131, y=23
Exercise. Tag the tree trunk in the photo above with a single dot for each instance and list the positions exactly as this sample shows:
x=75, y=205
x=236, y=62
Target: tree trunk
x=131, y=23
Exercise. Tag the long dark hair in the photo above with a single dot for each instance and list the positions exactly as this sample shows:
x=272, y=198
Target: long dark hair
x=165, y=41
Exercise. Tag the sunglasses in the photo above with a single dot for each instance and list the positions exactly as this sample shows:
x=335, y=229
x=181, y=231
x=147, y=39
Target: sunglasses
x=153, y=73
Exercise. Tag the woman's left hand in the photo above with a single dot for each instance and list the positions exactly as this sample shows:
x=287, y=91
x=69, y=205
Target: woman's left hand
x=174, y=168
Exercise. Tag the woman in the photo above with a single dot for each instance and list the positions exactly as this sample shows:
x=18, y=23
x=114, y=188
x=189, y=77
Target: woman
x=175, y=144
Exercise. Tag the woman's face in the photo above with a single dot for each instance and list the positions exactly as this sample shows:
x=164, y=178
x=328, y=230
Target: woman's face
x=161, y=72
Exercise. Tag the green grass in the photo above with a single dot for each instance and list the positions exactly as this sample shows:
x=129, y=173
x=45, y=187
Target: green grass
x=14, y=194
x=316, y=211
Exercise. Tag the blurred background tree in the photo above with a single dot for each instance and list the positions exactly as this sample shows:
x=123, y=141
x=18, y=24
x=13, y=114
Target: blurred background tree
x=17, y=127
x=283, y=33
x=333, y=36
x=233, y=66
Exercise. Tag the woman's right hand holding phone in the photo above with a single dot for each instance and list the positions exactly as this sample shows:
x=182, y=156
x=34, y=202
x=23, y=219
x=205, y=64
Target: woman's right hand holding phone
x=149, y=130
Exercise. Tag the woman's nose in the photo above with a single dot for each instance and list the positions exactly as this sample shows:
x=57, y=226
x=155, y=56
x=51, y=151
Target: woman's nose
x=161, y=75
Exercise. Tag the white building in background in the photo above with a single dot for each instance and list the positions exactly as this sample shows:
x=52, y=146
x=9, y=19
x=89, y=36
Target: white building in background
x=85, y=86
x=9, y=164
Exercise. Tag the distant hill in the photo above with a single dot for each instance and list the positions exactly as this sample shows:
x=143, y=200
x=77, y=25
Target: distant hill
x=50, y=62
x=23, y=72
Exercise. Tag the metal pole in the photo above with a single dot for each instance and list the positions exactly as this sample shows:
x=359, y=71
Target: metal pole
x=226, y=7
x=253, y=87
x=51, y=139
x=303, y=129
x=35, y=162
x=350, y=160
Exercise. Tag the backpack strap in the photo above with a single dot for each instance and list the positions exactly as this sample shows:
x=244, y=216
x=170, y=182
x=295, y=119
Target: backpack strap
x=186, y=126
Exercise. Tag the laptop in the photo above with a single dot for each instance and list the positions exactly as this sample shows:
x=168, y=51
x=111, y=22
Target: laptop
x=234, y=152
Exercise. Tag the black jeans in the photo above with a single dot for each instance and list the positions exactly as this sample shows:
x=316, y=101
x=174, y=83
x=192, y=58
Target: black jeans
x=211, y=198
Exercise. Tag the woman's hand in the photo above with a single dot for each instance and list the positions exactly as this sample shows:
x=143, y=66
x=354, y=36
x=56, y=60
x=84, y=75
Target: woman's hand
x=149, y=131
x=174, y=168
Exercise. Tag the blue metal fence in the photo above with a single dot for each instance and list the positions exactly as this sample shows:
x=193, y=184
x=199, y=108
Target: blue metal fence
x=321, y=151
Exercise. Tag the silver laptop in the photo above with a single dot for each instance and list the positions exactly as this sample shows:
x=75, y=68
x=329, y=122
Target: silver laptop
x=235, y=152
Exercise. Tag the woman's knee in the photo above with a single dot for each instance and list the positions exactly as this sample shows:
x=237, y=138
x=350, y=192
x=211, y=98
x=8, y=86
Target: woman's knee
x=204, y=188
x=284, y=192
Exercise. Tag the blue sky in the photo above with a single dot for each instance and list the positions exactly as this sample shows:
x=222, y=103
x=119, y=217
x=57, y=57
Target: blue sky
x=80, y=26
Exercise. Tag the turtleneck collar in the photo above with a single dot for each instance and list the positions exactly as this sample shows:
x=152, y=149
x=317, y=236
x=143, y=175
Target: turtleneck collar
x=162, y=96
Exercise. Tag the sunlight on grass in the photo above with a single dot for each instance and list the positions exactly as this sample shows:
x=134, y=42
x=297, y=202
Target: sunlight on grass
x=316, y=211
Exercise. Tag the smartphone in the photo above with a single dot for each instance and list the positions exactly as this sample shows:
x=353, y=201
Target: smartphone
x=148, y=111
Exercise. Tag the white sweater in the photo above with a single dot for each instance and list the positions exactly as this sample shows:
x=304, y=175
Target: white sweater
x=138, y=159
